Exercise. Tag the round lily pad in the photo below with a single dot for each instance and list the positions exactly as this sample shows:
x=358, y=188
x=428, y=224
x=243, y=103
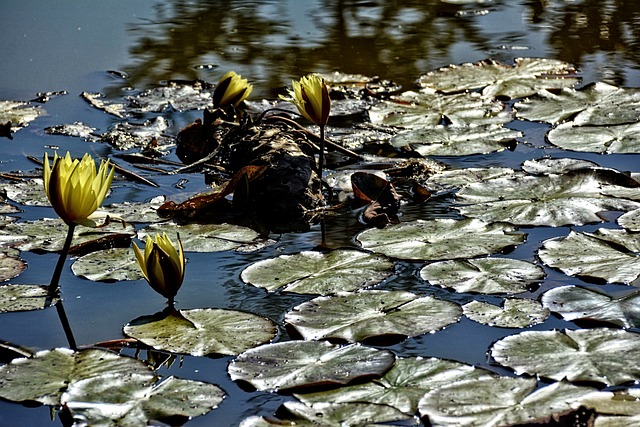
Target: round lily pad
x=515, y=313
x=25, y=298
x=612, y=139
x=11, y=265
x=108, y=265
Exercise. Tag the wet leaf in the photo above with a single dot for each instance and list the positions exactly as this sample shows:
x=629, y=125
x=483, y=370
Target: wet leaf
x=610, y=255
x=205, y=237
x=312, y=272
x=75, y=129
x=357, y=316
x=440, y=239
x=296, y=364
x=126, y=136
x=137, y=212
x=18, y=114
x=11, y=265
x=176, y=96
x=24, y=298
x=595, y=104
x=404, y=384
x=526, y=77
x=29, y=192
x=503, y=401
x=578, y=303
x=617, y=403
x=114, y=264
x=457, y=178
x=97, y=100
x=630, y=220
x=548, y=166
x=514, y=313
x=609, y=356
x=623, y=138
x=457, y=140
x=201, y=332
x=483, y=275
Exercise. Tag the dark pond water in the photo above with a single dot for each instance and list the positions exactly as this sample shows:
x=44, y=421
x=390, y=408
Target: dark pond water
x=71, y=46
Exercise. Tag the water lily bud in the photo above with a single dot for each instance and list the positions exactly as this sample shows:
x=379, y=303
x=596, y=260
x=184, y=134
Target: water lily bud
x=75, y=189
x=311, y=96
x=232, y=89
x=162, y=264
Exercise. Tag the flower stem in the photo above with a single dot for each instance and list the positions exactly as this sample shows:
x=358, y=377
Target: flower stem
x=321, y=158
x=55, y=279
x=66, y=326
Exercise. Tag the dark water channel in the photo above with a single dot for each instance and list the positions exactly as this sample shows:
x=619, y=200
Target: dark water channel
x=71, y=46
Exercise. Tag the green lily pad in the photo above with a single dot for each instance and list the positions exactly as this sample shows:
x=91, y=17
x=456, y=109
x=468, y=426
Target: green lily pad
x=630, y=220
x=483, y=275
x=440, y=239
x=25, y=298
x=312, y=272
x=503, y=401
x=108, y=265
x=595, y=104
x=573, y=198
x=108, y=400
x=515, y=313
x=575, y=302
x=457, y=140
x=325, y=414
x=11, y=265
x=609, y=356
x=404, y=384
x=428, y=108
x=624, y=138
x=606, y=254
x=297, y=364
x=201, y=332
x=137, y=212
x=526, y=77
x=28, y=193
x=357, y=316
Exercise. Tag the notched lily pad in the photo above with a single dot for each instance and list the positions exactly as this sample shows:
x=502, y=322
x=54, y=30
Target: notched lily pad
x=483, y=275
x=609, y=356
x=364, y=315
x=526, y=77
x=514, y=313
x=304, y=364
x=108, y=265
x=440, y=239
x=201, y=332
x=312, y=272
x=25, y=298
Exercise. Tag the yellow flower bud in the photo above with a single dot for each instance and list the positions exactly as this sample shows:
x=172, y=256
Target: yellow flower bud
x=162, y=264
x=75, y=189
x=311, y=96
x=232, y=89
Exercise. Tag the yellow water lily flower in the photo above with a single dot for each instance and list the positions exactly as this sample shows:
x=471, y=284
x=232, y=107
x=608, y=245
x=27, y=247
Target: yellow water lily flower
x=232, y=89
x=162, y=264
x=74, y=187
x=311, y=96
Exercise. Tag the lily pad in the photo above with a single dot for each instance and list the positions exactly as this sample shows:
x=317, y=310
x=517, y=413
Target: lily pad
x=630, y=220
x=11, y=265
x=108, y=265
x=457, y=140
x=357, y=316
x=201, y=332
x=501, y=401
x=609, y=356
x=483, y=275
x=526, y=77
x=573, y=198
x=75, y=129
x=624, y=138
x=595, y=104
x=515, y=313
x=137, y=212
x=297, y=364
x=177, y=96
x=404, y=384
x=28, y=193
x=549, y=165
x=125, y=136
x=205, y=237
x=606, y=254
x=575, y=302
x=440, y=239
x=457, y=178
x=20, y=114
x=25, y=298
x=312, y=272
x=428, y=108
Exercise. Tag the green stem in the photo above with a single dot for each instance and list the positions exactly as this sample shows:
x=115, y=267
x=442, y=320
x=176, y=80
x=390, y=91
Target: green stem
x=55, y=279
x=321, y=159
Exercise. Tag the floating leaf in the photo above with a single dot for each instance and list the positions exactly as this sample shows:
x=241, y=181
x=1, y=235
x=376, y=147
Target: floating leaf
x=623, y=138
x=205, y=237
x=25, y=298
x=137, y=212
x=457, y=140
x=10, y=264
x=125, y=136
x=575, y=302
x=18, y=113
x=108, y=265
x=483, y=275
x=312, y=272
x=609, y=356
x=630, y=220
x=611, y=255
x=574, y=198
x=595, y=104
x=526, y=77
x=515, y=313
x=28, y=193
x=457, y=178
x=404, y=384
x=503, y=401
x=177, y=96
x=75, y=129
x=619, y=402
x=357, y=316
x=548, y=166
x=440, y=239
x=297, y=364
x=200, y=332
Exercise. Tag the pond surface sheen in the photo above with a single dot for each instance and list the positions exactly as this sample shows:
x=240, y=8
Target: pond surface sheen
x=71, y=46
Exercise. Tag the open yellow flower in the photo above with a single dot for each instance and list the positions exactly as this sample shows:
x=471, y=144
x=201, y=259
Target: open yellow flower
x=311, y=96
x=162, y=264
x=74, y=187
x=232, y=89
